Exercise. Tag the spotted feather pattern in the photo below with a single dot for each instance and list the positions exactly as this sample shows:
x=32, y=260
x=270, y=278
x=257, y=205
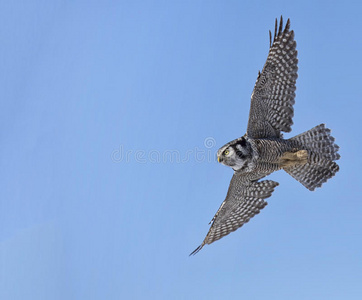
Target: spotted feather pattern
x=265, y=150
x=319, y=140
x=314, y=173
x=322, y=153
x=244, y=200
x=271, y=109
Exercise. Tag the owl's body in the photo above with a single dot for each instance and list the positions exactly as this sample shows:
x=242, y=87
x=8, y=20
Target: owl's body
x=261, y=157
x=308, y=157
x=268, y=154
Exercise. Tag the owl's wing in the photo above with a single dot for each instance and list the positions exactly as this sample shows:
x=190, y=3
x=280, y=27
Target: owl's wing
x=272, y=100
x=243, y=201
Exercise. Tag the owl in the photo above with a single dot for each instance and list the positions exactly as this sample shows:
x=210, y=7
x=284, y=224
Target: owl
x=308, y=157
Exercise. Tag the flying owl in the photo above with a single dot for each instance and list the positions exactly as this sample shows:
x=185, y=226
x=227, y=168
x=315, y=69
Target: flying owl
x=308, y=157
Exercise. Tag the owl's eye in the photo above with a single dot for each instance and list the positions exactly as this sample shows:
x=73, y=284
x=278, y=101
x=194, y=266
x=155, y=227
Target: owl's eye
x=226, y=152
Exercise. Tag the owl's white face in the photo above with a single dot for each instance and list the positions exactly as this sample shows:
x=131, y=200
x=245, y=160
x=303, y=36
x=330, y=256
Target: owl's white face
x=236, y=154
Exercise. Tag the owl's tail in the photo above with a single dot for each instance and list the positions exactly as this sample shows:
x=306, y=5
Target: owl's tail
x=322, y=152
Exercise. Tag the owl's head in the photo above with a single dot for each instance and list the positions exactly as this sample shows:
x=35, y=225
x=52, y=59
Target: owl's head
x=237, y=154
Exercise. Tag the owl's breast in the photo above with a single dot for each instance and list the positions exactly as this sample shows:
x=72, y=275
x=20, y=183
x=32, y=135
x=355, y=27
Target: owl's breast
x=268, y=152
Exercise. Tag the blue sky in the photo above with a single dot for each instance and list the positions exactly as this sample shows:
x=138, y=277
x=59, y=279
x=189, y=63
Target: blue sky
x=111, y=115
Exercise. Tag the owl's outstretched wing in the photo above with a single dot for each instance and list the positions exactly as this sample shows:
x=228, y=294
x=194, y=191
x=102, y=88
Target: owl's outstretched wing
x=271, y=109
x=243, y=201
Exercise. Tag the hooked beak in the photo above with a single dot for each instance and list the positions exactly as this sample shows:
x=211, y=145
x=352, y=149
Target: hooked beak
x=219, y=159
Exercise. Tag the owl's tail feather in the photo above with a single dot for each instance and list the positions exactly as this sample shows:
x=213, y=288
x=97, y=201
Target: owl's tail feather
x=322, y=152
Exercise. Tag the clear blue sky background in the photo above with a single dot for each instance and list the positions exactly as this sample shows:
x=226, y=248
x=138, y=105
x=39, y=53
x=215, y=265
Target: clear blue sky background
x=106, y=183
